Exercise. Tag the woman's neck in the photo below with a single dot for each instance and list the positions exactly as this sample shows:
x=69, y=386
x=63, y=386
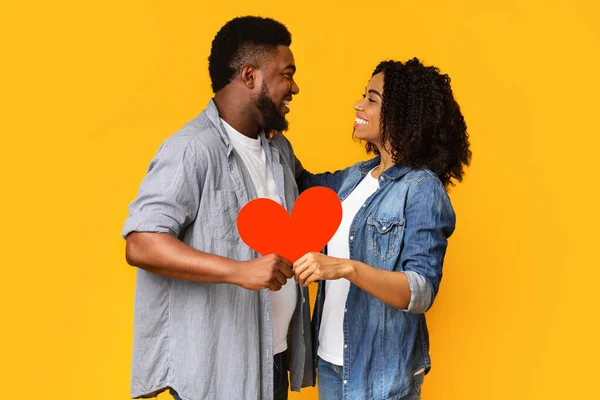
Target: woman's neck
x=386, y=161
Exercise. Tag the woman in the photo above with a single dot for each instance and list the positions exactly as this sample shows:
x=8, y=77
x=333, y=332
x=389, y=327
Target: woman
x=384, y=264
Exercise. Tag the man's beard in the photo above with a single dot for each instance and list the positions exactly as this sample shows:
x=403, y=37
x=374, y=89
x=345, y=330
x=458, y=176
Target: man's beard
x=272, y=118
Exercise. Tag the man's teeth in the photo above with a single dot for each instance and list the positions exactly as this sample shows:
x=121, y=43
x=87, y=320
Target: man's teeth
x=361, y=121
x=286, y=102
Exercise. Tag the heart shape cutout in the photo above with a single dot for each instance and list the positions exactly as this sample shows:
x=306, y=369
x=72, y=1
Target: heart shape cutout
x=266, y=227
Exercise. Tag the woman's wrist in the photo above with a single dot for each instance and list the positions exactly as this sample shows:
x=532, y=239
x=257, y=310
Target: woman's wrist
x=350, y=268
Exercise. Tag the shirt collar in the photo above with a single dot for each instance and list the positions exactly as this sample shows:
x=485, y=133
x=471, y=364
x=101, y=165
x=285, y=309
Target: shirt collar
x=393, y=173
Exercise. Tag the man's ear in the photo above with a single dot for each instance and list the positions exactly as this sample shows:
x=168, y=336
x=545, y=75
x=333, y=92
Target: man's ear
x=248, y=74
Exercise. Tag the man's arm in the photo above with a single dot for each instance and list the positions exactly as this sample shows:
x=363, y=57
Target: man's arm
x=165, y=255
x=167, y=202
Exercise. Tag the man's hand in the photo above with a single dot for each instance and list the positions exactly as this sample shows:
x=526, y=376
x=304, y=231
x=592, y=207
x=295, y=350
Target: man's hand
x=267, y=272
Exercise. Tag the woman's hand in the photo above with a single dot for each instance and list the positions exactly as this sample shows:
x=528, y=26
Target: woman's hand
x=313, y=267
x=391, y=287
x=271, y=134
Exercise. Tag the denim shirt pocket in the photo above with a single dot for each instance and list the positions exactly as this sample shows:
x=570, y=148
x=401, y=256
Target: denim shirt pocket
x=384, y=236
x=223, y=217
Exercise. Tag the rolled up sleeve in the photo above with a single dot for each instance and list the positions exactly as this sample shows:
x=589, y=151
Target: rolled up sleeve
x=169, y=195
x=420, y=293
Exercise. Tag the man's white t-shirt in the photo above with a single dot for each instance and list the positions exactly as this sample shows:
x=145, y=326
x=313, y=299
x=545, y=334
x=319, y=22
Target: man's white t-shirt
x=283, y=302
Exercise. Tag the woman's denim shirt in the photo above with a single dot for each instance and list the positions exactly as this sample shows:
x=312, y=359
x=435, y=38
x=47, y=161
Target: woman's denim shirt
x=403, y=226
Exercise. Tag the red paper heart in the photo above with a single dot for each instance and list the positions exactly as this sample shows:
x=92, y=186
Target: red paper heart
x=266, y=227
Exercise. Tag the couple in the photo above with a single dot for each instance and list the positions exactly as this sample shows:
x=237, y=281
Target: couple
x=204, y=327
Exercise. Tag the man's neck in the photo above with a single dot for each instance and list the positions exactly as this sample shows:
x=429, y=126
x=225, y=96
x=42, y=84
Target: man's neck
x=237, y=113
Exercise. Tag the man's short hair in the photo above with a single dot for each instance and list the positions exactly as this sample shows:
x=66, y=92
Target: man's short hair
x=243, y=40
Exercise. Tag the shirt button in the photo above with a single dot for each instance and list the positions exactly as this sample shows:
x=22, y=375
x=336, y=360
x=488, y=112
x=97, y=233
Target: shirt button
x=304, y=300
x=345, y=346
x=345, y=309
x=351, y=237
x=364, y=205
x=345, y=381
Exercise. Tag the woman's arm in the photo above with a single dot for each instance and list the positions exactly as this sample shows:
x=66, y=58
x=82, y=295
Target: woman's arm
x=415, y=281
x=388, y=286
x=306, y=180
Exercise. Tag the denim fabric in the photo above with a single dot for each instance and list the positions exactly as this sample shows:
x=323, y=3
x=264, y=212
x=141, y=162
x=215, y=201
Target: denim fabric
x=403, y=226
x=331, y=382
x=280, y=377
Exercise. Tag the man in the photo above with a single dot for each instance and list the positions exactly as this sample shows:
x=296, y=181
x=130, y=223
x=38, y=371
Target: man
x=211, y=316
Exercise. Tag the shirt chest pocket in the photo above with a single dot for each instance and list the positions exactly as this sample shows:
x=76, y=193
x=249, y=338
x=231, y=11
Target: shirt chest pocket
x=384, y=236
x=223, y=215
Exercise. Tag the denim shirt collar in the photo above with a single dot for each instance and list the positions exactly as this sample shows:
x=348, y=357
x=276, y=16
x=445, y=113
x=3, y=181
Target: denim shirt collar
x=393, y=173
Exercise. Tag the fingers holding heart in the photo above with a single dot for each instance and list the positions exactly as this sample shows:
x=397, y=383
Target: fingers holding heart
x=303, y=272
x=314, y=267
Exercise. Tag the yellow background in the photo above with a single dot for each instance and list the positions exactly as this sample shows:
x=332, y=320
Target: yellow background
x=90, y=89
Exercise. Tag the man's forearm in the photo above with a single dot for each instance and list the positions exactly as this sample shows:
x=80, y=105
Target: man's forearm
x=163, y=254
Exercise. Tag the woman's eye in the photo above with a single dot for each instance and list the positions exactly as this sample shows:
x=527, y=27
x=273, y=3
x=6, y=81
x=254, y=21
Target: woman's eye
x=370, y=99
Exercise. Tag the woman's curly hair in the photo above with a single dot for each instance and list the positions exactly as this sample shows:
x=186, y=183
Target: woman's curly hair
x=422, y=121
